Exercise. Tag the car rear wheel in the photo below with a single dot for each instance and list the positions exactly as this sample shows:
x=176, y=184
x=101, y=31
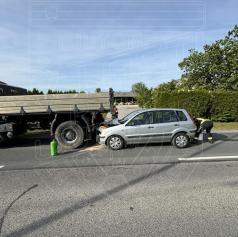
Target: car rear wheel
x=115, y=142
x=180, y=140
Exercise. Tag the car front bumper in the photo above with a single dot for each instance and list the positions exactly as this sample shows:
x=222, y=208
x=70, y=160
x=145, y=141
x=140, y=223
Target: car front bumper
x=101, y=140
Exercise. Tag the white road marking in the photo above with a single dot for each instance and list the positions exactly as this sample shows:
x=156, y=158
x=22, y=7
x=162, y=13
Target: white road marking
x=207, y=158
x=1, y=166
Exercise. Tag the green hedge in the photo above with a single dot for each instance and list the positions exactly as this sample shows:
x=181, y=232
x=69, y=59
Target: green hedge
x=225, y=106
x=220, y=106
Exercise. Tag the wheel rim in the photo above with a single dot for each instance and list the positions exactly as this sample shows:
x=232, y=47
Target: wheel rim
x=115, y=142
x=181, y=141
x=69, y=135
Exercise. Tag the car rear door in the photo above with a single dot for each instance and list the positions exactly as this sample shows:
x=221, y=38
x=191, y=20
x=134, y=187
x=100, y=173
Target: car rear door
x=165, y=122
x=185, y=120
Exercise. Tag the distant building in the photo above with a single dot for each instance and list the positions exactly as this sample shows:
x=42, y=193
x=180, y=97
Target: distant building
x=6, y=89
x=124, y=97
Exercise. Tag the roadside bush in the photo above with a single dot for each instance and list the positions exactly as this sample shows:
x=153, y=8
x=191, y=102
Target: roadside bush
x=196, y=103
x=220, y=106
x=225, y=106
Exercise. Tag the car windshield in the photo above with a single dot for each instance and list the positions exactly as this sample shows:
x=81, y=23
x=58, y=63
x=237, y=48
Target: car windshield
x=128, y=116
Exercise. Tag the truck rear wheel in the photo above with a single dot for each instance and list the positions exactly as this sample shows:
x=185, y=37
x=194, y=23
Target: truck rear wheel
x=3, y=137
x=69, y=134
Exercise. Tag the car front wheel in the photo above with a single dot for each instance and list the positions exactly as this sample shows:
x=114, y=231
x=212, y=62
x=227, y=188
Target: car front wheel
x=115, y=142
x=180, y=140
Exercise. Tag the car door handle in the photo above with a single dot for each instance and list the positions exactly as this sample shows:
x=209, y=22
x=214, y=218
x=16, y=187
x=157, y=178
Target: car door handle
x=176, y=125
x=150, y=127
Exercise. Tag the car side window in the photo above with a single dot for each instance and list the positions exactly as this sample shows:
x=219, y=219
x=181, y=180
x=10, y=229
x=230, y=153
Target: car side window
x=165, y=116
x=142, y=119
x=181, y=116
x=158, y=116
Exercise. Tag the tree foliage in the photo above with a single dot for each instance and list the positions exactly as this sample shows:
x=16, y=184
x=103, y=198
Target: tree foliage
x=98, y=90
x=35, y=91
x=215, y=68
x=219, y=106
x=143, y=94
x=61, y=92
x=168, y=86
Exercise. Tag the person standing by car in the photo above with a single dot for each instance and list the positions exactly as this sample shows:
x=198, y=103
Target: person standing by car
x=204, y=124
x=114, y=112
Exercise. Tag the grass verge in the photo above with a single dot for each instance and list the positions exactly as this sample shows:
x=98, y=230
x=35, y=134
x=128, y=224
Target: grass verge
x=226, y=126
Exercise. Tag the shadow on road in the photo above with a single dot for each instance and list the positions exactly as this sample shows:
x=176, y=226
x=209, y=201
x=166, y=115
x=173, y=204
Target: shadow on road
x=30, y=139
x=28, y=229
x=84, y=203
x=131, y=146
x=222, y=137
x=38, y=138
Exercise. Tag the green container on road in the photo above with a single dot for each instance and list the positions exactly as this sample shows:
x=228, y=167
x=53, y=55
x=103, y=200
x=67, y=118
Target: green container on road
x=53, y=148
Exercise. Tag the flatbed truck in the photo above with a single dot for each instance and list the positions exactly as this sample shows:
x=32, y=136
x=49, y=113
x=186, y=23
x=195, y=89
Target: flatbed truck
x=71, y=118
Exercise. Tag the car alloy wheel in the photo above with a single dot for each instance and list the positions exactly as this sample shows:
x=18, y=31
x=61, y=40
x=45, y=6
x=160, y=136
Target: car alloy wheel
x=115, y=142
x=181, y=140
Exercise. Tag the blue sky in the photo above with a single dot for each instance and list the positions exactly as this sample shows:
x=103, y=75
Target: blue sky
x=84, y=44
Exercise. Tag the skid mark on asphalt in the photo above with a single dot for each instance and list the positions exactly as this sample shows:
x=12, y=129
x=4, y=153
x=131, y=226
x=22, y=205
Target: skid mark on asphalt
x=11, y=204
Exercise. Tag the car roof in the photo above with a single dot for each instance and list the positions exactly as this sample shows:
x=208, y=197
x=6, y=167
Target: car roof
x=155, y=109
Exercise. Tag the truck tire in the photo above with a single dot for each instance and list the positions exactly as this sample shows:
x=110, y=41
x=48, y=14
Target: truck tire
x=69, y=134
x=180, y=140
x=2, y=138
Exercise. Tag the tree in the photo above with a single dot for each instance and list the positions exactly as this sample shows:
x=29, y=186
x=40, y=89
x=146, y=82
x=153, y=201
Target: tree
x=143, y=94
x=61, y=92
x=82, y=92
x=98, y=90
x=70, y=92
x=215, y=68
x=168, y=86
x=35, y=91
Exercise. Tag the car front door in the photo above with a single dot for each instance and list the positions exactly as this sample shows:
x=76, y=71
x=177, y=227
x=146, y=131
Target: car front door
x=140, y=128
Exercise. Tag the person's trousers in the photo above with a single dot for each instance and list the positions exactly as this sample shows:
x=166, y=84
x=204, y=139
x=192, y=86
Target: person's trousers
x=206, y=126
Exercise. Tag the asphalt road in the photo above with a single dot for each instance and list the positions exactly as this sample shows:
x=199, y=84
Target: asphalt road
x=139, y=191
x=33, y=152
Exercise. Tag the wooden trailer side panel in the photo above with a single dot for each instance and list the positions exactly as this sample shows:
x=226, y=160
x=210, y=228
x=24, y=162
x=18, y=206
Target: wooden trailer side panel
x=55, y=103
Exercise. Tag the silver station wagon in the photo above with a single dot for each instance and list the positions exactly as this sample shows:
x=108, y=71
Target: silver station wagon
x=149, y=126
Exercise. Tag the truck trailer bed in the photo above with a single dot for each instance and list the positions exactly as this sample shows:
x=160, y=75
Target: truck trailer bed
x=55, y=103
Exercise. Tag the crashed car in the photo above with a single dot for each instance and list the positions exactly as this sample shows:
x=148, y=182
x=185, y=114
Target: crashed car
x=149, y=126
